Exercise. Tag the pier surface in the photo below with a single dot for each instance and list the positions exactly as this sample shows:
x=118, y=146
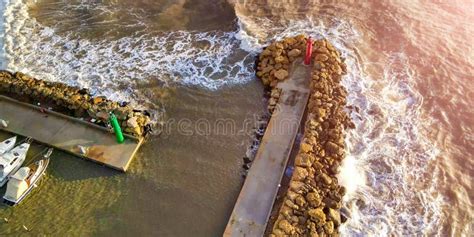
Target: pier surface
x=254, y=204
x=69, y=134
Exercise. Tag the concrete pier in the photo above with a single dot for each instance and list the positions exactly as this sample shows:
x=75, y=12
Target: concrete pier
x=255, y=202
x=68, y=134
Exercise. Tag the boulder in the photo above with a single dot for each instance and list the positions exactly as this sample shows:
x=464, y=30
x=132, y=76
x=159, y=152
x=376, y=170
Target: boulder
x=290, y=41
x=281, y=74
x=279, y=59
x=313, y=199
x=304, y=160
x=322, y=50
x=300, y=201
x=278, y=232
x=317, y=215
x=321, y=112
x=321, y=57
x=76, y=98
x=333, y=148
x=317, y=165
x=334, y=216
x=328, y=202
x=102, y=115
x=132, y=122
x=296, y=186
x=329, y=227
x=325, y=179
x=342, y=191
x=291, y=195
x=337, y=69
x=286, y=227
x=291, y=205
x=277, y=52
x=300, y=174
x=306, y=148
x=294, y=53
x=137, y=131
x=267, y=69
x=97, y=100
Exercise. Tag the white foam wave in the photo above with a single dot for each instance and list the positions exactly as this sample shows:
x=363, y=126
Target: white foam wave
x=388, y=172
x=399, y=193
x=210, y=59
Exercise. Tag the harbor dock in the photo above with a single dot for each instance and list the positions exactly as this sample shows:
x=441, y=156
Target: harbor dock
x=255, y=202
x=69, y=134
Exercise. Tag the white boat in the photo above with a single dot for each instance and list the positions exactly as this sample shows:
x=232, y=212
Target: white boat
x=25, y=179
x=11, y=161
x=7, y=145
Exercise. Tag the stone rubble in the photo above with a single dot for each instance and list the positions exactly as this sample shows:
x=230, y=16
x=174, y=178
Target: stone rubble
x=311, y=206
x=75, y=101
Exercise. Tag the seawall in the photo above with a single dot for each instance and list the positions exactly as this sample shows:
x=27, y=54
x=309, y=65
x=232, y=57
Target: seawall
x=311, y=205
x=73, y=101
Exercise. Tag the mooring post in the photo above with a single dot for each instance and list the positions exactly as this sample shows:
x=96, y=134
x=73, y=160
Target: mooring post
x=309, y=51
x=117, y=129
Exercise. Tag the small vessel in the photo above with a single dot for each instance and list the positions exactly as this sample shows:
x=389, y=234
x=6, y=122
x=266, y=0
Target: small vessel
x=11, y=161
x=7, y=145
x=25, y=179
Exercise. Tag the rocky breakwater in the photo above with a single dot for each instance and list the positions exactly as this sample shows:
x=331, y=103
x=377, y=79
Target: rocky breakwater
x=74, y=101
x=312, y=203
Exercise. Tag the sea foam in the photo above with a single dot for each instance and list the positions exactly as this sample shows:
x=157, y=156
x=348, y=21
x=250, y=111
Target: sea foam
x=111, y=67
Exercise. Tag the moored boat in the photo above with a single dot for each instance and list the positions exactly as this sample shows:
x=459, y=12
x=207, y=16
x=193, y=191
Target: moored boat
x=7, y=145
x=25, y=179
x=12, y=160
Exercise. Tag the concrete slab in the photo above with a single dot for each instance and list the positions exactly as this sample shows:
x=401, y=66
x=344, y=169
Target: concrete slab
x=255, y=202
x=68, y=134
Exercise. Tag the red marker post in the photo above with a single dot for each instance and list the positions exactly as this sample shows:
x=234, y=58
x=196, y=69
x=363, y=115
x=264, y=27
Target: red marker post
x=309, y=51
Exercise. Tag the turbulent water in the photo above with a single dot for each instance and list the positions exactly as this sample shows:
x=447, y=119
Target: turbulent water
x=408, y=169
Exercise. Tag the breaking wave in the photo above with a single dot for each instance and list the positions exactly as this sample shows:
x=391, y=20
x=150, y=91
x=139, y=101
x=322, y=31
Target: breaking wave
x=112, y=67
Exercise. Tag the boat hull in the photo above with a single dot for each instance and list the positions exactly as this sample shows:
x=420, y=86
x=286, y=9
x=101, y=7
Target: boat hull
x=39, y=175
x=23, y=196
x=7, y=145
x=5, y=180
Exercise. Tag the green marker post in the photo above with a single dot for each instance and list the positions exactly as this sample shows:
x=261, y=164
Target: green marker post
x=115, y=124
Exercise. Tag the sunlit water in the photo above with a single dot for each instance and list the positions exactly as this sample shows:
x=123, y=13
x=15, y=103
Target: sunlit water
x=408, y=168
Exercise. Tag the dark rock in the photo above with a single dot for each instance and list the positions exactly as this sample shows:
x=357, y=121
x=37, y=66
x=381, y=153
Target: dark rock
x=331, y=203
x=83, y=91
x=247, y=160
x=332, y=148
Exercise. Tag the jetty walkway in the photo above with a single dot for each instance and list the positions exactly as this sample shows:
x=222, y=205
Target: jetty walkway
x=68, y=134
x=255, y=202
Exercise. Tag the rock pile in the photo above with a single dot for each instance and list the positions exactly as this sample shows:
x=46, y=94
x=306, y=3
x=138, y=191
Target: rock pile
x=274, y=63
x=311, y=206
x=77, y=102
x=275, y=60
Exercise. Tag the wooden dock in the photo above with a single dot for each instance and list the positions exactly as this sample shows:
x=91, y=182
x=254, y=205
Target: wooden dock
x=254, y=204
x=72, y=135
